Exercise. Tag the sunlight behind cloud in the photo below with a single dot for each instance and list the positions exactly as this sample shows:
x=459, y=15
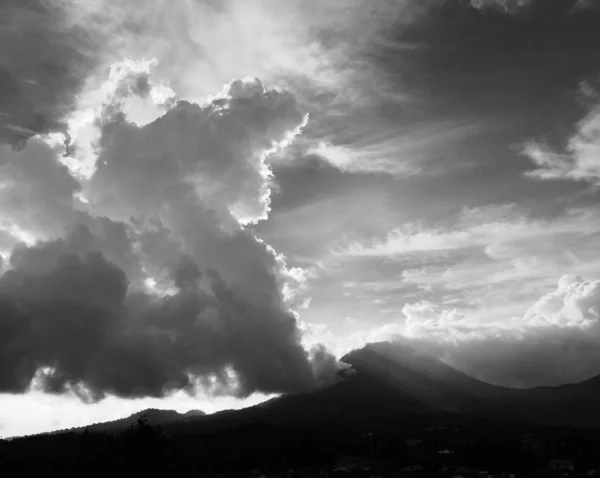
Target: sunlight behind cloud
x=204, y=203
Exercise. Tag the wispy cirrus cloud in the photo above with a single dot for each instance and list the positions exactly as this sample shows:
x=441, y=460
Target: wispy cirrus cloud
x=488, y=228
x=516, y=254
x=397, y=151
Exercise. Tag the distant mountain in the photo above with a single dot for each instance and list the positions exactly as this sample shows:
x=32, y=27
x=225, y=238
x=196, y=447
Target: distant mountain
x=431, y=382
x=154, y=417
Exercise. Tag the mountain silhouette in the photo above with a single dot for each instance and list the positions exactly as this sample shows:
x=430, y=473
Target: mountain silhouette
x=387, y=381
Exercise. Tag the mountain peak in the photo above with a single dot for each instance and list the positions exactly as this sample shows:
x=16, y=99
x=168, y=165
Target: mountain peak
x=419, y=374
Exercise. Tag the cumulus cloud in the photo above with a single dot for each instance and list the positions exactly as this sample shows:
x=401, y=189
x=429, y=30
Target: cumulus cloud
x=218, y=149
x=555, y=341
x=45, y=60
x=580, y=160
x=145, y=277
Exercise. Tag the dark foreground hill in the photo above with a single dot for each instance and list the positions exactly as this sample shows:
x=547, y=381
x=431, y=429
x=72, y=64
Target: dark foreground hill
x=395, y=407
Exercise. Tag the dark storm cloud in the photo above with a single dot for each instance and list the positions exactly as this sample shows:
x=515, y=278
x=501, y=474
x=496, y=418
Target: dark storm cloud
x=68, y=315
x=44, y=62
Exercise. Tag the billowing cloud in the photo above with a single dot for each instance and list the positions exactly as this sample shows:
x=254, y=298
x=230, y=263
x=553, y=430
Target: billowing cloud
x=218, y=150
x=45, y=60
x=145, y=277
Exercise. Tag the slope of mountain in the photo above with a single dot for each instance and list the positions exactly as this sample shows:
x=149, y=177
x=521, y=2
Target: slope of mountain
x=429, y=380
x=423, y=377
x=385, y=383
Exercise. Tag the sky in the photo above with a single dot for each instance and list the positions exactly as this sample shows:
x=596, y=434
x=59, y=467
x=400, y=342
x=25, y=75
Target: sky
x=205, y=203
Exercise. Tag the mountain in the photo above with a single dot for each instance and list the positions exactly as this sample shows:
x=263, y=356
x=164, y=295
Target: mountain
x=389, y=381
x=389, y=398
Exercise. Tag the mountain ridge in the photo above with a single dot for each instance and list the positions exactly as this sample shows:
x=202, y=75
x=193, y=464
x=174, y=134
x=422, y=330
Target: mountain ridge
x=395, y=379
